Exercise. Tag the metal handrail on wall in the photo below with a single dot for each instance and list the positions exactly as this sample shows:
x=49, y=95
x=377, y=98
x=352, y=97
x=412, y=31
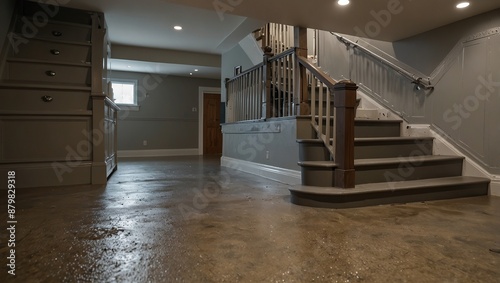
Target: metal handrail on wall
x=417, y=80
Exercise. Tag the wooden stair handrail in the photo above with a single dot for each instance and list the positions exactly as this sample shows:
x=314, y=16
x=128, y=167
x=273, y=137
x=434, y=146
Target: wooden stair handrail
x=328, y=81
x=342, y=148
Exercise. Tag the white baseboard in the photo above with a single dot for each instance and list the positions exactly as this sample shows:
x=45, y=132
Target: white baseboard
x=158, y=152
x=495, y=188
x=286, y=176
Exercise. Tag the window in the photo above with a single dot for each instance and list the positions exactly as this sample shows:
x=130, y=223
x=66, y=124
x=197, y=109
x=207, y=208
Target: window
x=125, y=92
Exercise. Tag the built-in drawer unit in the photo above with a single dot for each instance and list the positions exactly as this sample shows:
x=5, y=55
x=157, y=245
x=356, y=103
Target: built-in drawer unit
x=53, y=51
x=54, y=31
x=36, y=100
x=46, y=73
x=45, y=138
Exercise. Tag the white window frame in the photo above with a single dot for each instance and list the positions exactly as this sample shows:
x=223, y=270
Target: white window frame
x=123, y=106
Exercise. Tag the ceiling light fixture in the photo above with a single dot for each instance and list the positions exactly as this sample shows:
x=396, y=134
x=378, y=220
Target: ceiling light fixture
x=463, y=5
x=343, y=2
x=190, y=74
x=196, y=70
x=178, y=28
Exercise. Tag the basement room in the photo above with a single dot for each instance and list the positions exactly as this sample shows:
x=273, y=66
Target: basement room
x=249, y=141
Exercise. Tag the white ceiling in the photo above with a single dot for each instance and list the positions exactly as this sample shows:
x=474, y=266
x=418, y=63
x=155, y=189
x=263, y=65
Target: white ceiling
x=215, y=26
x=409, y=17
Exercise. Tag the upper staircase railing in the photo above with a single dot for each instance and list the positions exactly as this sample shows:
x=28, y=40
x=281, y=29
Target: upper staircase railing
x=278, y=38
x=418, y=80
x=288, y=84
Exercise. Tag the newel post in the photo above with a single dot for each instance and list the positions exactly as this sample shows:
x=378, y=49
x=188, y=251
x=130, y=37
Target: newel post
x=344, y=103
x=300, y=37
x=267, y=104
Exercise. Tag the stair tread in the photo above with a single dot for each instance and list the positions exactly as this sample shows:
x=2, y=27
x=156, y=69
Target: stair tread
x=389, y=139
x=356, y=120
x=411, y=159
x=366, y=120
x=376, y=139
x=384, y=161
x=392, y=186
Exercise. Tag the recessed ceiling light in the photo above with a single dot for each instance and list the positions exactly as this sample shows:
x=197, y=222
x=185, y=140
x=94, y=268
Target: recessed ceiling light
x=190, y=74
x=196, y=70
x=343, y=2
x=178, y=28
x=463, y=5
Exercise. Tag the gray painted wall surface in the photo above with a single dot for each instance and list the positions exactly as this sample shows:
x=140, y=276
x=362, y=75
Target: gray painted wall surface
x=165, y=118
x=466, y=73
x=251, y=142
x=6, y=11
x=234, y=57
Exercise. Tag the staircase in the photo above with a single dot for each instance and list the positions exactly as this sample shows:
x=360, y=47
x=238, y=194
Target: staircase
x=389, y=169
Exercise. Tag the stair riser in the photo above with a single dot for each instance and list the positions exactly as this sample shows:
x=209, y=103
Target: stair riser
x=390, y=197
x=320, y=177
x=392, y=149
x=378, y=130
x=407, y=171
x=314, y=151
x=324, y=177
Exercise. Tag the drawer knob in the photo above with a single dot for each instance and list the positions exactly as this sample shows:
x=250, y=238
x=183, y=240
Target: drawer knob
x=50, y=73
x=55, y=52
x=47, y=98
x=56, y=33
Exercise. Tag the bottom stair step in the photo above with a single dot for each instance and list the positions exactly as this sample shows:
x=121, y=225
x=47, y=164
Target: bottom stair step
x=390, y=192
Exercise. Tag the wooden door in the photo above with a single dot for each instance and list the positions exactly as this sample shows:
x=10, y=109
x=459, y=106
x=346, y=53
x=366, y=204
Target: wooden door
x=212, y=135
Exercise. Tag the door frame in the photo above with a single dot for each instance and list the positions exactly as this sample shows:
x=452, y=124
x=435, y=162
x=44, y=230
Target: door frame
x=201, y=98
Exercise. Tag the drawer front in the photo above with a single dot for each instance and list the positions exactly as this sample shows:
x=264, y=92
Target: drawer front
x=43, y=100
x=54, y=52
x=44, y=139
x=53, y=31
x=48, y=73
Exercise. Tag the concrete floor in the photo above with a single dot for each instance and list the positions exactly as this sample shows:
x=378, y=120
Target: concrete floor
x=185, y=219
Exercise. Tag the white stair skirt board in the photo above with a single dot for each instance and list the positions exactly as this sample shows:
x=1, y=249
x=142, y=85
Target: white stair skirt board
x=158, y=152
x=471, y=168
x=443, y=147
x=282, y=175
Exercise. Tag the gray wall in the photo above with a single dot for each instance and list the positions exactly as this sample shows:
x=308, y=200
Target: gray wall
x=232, y=58
x=272, y=143
x=165, y=118
x=6, y=11
x=465, y=71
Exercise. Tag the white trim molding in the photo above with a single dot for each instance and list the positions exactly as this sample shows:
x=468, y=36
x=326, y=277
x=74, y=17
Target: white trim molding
x=471, y=168
x=157, y=152
x=201, y=91
x=286, y=176
x=441, y=145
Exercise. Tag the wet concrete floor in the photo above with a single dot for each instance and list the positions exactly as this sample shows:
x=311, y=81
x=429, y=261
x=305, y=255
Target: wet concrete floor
x=185, y=219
